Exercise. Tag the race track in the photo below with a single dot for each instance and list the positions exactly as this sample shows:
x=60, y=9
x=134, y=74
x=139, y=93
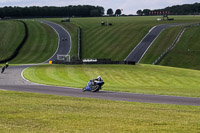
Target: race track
x=139, y=51
x=12, y=80
x=64, y=40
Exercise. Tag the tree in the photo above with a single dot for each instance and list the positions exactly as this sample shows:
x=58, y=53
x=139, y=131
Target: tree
x=94, y=13
x=110, y=12
x=146, y=12
x=101, y=10
x=118, y=12
x=52, y=11
x=139, y=12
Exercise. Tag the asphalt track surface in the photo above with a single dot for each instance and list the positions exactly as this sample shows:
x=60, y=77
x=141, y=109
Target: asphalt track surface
x=12, y=80
x=139, y=51
x=64, y=40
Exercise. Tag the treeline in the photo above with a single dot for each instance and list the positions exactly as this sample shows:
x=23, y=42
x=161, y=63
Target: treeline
x=186, y=9
x=46, y=11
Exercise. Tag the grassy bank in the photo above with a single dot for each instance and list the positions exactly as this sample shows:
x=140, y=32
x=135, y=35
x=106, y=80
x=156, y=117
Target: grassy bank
x=118, y=40
x=186, y=54
x=28, y=112
x=163, y=42
x=12, y=33
x=41, y=44
x=138, y=79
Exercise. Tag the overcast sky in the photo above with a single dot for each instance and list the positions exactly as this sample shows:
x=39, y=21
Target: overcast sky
x=128, y=6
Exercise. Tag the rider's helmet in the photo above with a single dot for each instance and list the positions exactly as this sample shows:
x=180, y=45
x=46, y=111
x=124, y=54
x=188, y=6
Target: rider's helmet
x=99, y=78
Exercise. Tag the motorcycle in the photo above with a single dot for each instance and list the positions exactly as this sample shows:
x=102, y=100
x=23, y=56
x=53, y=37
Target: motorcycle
x=93, y=85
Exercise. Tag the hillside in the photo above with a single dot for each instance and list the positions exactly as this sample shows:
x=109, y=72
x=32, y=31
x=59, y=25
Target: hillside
x=108, y=41
x=40, y=45
x=12, y=33
x=186, y=54
x=115, y=41
x=165, y=39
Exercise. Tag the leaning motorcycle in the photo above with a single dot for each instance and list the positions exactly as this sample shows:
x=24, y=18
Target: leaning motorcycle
x=93, y=85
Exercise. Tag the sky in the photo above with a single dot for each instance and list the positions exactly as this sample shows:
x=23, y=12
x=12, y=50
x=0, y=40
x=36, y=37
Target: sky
x=128, y=6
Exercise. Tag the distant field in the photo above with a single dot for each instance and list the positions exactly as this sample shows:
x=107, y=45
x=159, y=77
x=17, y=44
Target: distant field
x=11, y=34
x=41, y=44
x=186, y=54
x=29, y=112
x=145, y=79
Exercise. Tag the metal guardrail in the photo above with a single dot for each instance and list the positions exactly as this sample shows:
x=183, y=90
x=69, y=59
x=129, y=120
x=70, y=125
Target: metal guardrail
x=79, y=43
x=98, y=61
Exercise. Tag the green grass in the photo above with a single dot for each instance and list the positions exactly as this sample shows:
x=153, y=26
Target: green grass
x=186, y=54
x=165, y=40
x=29, y=112
x=41, y=44
x=116, y=41
x=145, y=79
x=12, y=33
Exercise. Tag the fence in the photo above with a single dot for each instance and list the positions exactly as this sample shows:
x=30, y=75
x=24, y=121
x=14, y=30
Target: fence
x=99, y=61
x=79, y=43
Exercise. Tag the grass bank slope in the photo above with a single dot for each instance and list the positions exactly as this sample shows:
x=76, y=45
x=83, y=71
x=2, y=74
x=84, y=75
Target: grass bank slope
x=41, y=44
x=28, y=112
x=11, y=35
x=146, y=79
x=186, y=54
x=116, y=41
x=163, y=42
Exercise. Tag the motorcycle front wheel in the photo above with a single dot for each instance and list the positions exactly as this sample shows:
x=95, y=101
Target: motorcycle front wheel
x=95, y=88
x=84, y=89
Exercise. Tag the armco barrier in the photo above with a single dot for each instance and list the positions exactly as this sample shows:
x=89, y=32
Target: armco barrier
x=101, y=61
x=79, y=43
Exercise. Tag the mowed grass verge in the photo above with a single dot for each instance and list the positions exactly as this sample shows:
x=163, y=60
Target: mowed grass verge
x=29, y=112
x=145, y=79
x=41, y=44
x=12, y=33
